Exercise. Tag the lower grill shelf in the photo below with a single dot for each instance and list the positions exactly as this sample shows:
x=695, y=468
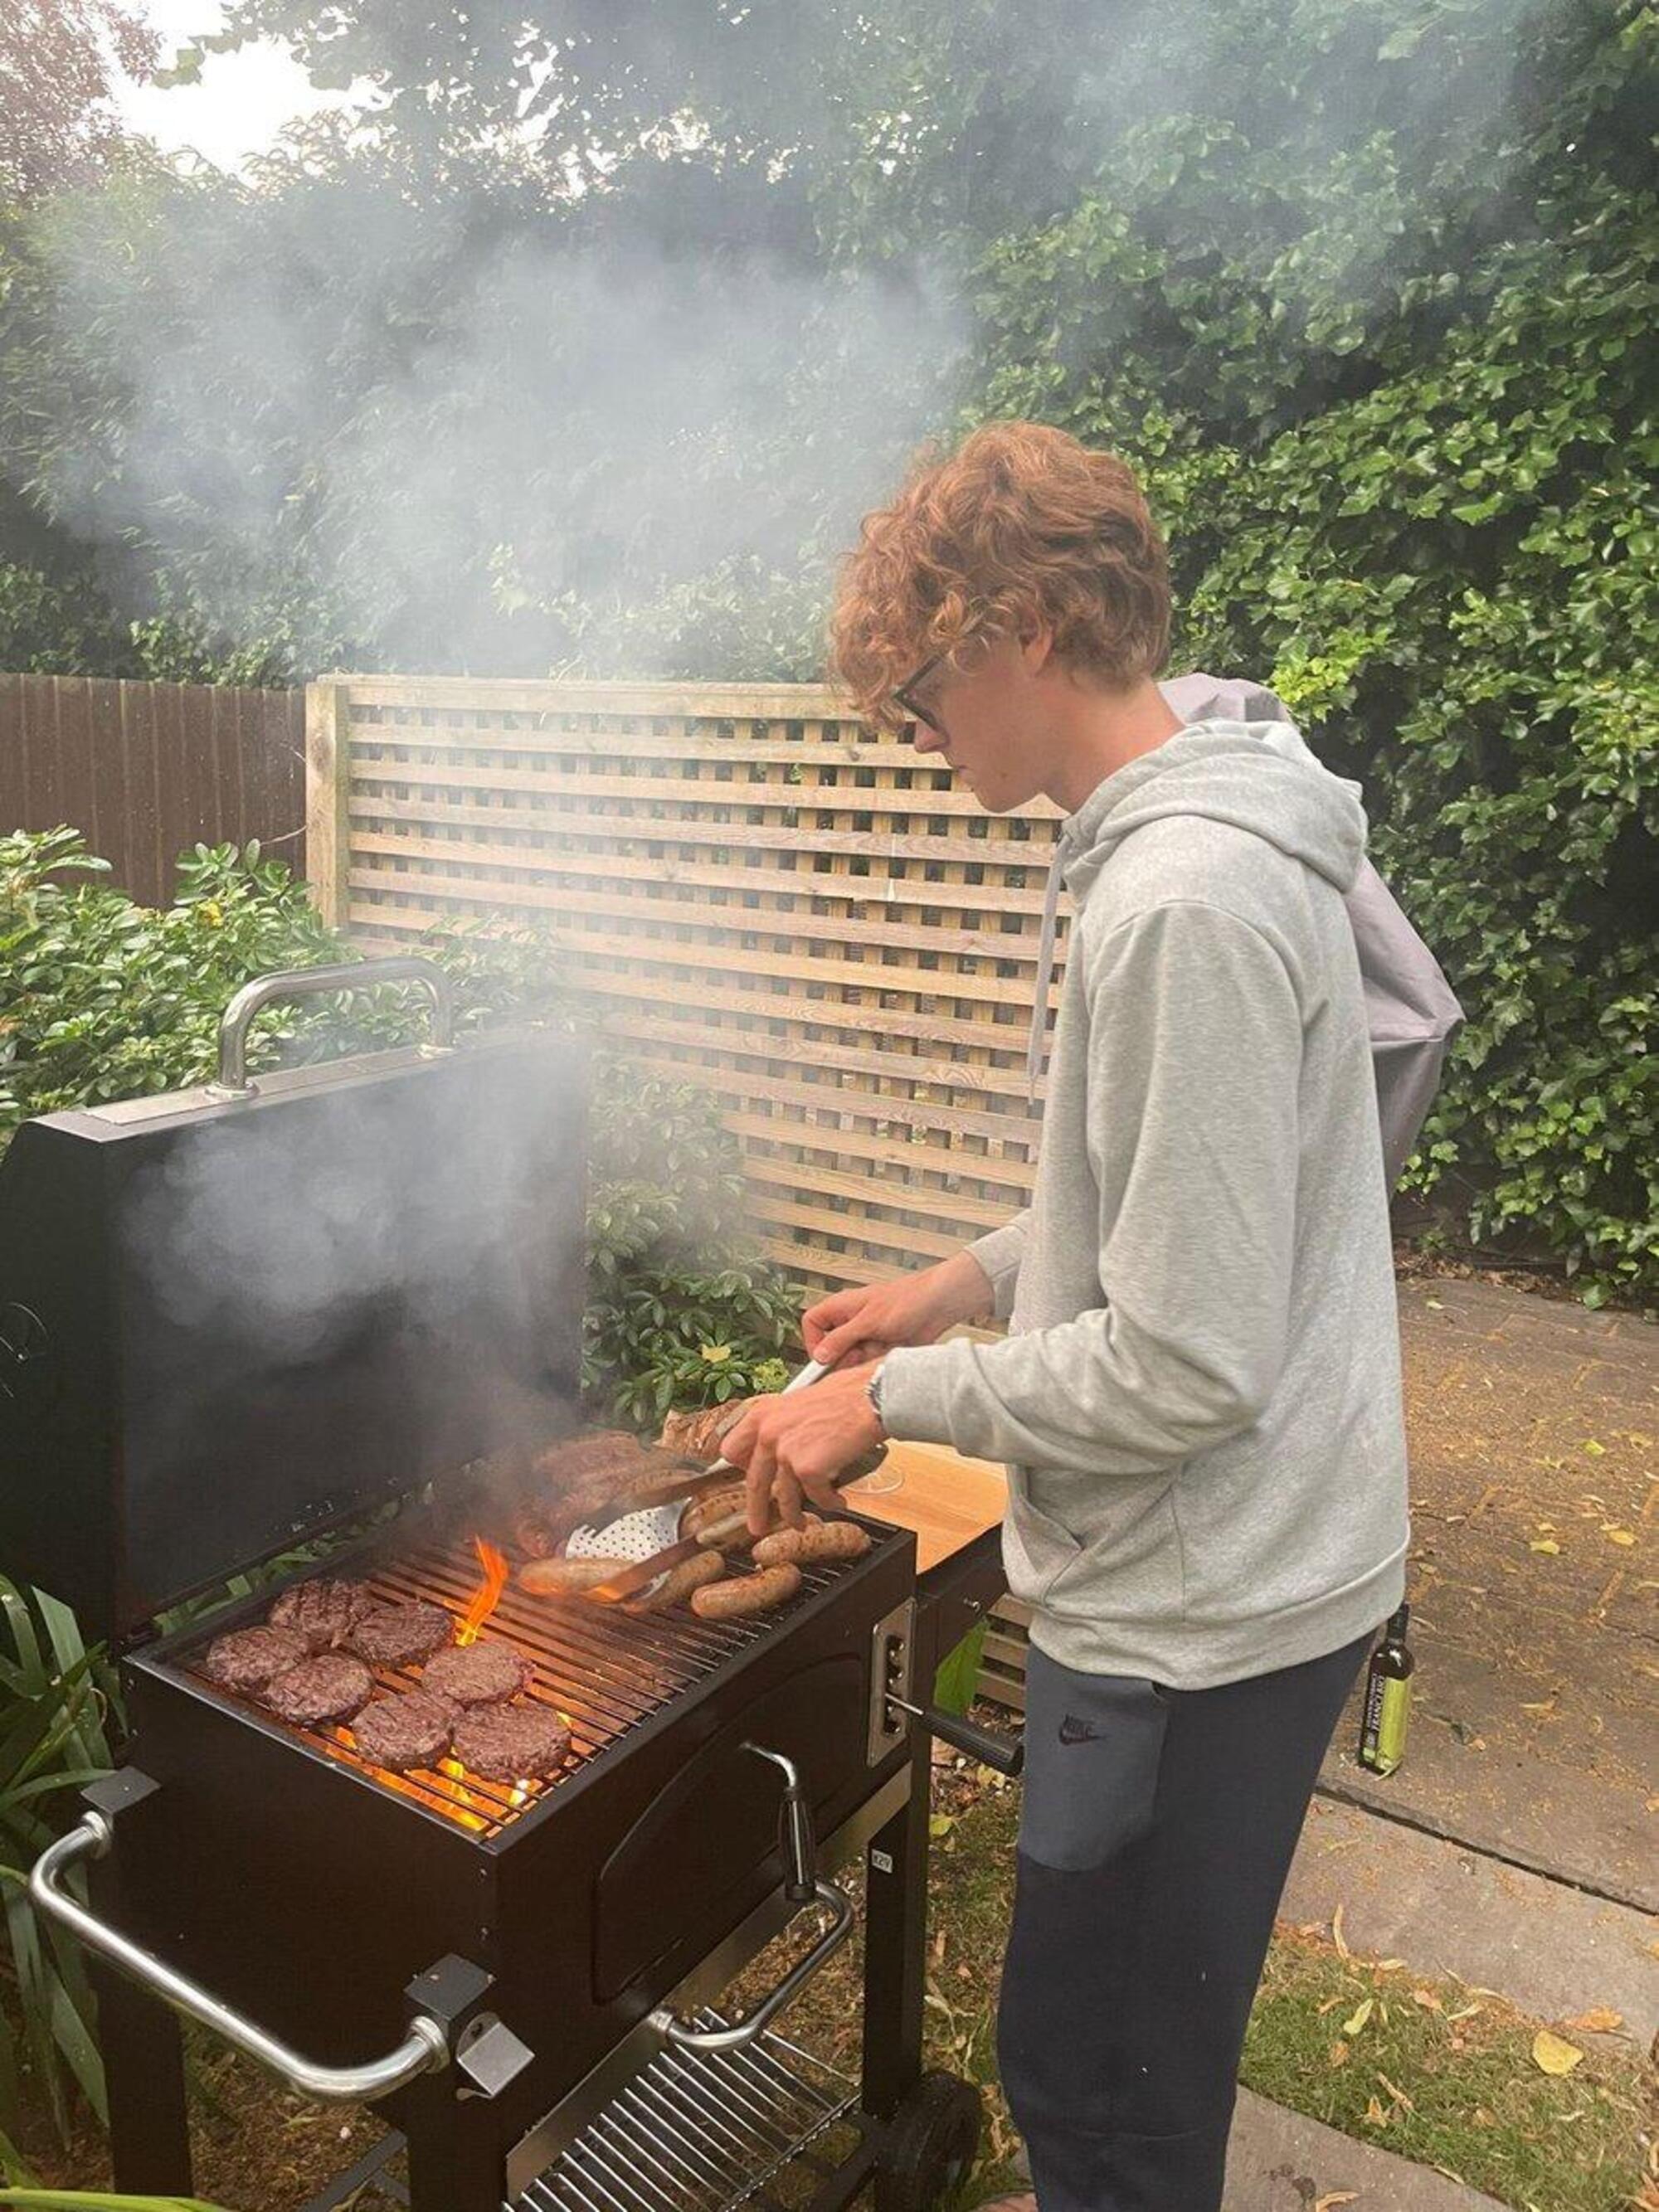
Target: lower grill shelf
x=696, y=2133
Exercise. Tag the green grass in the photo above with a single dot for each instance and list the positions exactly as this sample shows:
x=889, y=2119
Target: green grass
x=1445, y=2075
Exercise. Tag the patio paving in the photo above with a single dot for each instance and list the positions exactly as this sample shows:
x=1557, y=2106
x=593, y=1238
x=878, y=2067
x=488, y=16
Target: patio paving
x=1535, y=1440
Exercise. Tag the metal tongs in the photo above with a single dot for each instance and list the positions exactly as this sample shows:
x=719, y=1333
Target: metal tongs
x=643, y=1525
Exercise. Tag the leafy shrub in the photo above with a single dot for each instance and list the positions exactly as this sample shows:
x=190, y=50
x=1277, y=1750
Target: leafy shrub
x=54, y=1694
x=679, y=1312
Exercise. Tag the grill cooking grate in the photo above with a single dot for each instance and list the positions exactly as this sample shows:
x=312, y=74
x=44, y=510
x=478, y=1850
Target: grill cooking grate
x=604, y=1669
x=697, y=2133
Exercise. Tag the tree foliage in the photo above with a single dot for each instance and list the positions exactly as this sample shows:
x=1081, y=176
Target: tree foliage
x=585, y=351
x=57, y=122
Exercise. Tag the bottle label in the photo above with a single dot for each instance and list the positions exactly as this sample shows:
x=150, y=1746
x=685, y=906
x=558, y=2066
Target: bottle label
x=1392, y=1725
x=1383, y=1731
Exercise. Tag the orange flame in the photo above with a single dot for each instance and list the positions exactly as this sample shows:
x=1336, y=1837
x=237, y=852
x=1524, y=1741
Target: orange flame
x=487, y=1595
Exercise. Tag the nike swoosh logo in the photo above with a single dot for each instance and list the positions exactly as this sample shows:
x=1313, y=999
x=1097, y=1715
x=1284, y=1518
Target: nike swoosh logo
x=1076, y=1731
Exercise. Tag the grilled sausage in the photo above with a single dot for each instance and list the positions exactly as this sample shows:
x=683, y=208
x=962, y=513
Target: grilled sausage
x=743, y=1595
x=678, y=1584
x=704, y=1513
x=818, y=1541
x=561, y=1578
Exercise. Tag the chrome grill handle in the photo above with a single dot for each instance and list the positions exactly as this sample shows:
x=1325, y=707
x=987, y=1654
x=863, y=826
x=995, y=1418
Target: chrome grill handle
x=734, y=2039
x=423, y=2050
x=235, y=1022
x=802, y=1885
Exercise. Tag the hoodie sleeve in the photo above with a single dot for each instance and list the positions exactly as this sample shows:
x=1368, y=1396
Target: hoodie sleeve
x=999, y=1254
x=1194, y=1063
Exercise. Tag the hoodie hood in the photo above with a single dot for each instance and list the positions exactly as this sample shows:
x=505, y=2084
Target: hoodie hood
x=1257, y=776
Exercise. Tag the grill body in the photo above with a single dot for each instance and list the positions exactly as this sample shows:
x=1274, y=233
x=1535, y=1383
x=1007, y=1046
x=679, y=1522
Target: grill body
x=279, y=1872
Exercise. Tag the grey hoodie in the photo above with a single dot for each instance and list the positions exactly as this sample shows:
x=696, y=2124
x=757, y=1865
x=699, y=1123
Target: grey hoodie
x=1199, y=1402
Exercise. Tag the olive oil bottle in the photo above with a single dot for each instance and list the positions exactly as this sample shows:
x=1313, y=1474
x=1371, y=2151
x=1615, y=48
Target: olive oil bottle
x=1388, y=1698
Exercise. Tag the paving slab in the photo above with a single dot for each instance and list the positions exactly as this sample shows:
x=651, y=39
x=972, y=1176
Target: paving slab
x=1556, y=1952
x=1534, y=1576
x=1279, y=2161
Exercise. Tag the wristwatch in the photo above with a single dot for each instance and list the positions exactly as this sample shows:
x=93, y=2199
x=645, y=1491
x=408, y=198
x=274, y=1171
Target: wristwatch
x=872, y=1392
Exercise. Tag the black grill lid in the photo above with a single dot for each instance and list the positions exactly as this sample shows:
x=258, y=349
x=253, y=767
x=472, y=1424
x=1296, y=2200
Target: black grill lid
x=228, y=1321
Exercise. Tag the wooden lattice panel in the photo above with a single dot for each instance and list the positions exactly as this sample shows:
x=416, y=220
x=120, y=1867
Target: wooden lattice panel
x=757, y=894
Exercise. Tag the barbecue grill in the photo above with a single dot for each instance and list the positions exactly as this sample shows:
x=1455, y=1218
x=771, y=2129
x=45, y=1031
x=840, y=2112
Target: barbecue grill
x=237, y=1320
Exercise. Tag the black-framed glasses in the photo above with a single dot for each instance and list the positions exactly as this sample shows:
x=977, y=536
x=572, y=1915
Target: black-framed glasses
x=903, y=694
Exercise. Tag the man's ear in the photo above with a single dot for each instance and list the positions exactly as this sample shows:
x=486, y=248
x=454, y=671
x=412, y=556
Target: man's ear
x=1036, y=646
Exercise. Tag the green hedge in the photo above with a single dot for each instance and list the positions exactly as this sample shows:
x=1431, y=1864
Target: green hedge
x=1366, y=287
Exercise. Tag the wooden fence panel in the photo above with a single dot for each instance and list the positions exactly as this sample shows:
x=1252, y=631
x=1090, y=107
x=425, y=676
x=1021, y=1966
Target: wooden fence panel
x=145, y=770
x=754, y=891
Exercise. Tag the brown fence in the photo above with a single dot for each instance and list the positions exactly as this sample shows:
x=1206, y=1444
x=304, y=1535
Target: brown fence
x=145, y=770
x=757, y=894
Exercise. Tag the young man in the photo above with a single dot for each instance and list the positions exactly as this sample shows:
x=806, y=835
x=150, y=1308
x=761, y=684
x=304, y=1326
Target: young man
x=1198, y=1399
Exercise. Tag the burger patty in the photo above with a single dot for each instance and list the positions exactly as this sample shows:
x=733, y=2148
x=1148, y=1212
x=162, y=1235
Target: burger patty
x=322, y=1610
x=511, y=1743
x=409, y=1730
x=332, y=1686
x=400, y=1635
x=248, y=1658
x=477, y=1674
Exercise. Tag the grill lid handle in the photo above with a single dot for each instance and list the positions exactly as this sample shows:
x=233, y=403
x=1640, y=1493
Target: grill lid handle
x=425, y=2047
x=306, y=982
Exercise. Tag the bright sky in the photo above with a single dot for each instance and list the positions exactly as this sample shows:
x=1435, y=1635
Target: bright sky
x=242, y=101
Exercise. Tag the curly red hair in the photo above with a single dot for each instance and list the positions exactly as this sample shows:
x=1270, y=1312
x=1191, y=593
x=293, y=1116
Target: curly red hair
x=1022, y=528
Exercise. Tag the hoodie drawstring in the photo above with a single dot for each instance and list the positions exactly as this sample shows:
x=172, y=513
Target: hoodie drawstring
x=1036, y=1044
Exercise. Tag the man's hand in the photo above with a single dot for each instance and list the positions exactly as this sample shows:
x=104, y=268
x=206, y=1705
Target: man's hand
x=854, y=1327
x=791, y=1447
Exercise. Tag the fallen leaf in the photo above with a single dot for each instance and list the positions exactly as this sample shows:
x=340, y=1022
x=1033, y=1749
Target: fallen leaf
x=1547, y=1543
x=1547, y=1706
x=1599, y=2021
x=1428, y=2000
x=1337, y=1937
x=1374, y=2115
x=1339, y=2054
x=1553, y=2054
x=1357, y=2018
x=1625, y=1536
x=940, y=1824
x=1595, y=1451
x=1398, y=2095
x=1483, y=2118
x=1332, y=2197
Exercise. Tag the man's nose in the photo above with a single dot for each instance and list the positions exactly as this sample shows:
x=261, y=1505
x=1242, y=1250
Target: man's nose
x=925, y=740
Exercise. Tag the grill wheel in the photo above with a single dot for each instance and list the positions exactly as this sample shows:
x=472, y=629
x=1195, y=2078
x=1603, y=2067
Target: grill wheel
x=931, y=2146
